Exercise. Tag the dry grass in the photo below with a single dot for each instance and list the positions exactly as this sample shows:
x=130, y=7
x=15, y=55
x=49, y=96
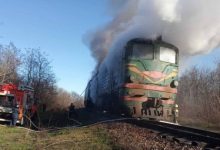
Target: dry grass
x=98, y=137
x=15, y=138
x=81, y=138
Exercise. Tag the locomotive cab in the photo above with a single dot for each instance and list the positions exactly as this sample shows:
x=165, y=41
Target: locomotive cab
x=151, y=69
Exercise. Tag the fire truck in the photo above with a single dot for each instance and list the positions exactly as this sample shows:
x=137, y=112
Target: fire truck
x=11, y=96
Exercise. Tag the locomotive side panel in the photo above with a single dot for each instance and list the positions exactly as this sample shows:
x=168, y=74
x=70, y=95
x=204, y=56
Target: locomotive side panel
x=104, y=87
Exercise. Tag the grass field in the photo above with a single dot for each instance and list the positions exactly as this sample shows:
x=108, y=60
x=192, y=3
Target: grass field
x=81, y=138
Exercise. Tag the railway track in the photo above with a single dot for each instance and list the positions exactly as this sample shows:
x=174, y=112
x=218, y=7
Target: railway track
x=182, y=134
x=178, y=133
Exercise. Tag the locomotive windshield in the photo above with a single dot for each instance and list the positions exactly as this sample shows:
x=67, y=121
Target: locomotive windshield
x=167, y=55
x=143, y=51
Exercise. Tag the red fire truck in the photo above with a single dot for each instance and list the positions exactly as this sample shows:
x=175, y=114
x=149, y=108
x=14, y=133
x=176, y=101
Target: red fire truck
x=12, y=95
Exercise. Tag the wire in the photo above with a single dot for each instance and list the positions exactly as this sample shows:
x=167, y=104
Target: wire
x=70, y=127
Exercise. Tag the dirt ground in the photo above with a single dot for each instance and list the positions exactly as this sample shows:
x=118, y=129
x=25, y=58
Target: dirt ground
x=131, y=137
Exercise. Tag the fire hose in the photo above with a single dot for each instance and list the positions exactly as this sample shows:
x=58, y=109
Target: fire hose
x=80, y=125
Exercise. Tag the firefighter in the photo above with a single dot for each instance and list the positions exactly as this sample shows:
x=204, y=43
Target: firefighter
x=72, y=111
x=34, y=117
x=14, y=115
x=44, y=107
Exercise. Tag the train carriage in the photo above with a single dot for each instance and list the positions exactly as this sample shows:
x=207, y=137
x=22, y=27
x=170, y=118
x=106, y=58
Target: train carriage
x=140, y=80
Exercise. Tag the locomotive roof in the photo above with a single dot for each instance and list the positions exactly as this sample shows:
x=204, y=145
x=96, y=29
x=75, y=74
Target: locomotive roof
x=152, y=41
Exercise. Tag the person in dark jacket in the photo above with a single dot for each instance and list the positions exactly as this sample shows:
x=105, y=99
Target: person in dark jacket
x=72, y=111
x=15, y=111
x=34, y=115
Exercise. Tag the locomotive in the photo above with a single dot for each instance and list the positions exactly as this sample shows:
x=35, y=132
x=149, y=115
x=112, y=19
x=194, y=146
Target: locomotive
x=138, y=80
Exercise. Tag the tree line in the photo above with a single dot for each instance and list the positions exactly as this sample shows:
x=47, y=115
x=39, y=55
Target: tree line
x=32, y=67
x=198, y=91
x=199, y=96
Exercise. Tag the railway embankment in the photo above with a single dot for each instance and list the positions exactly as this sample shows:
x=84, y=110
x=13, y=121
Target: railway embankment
x=117, y=135
x=96, y=131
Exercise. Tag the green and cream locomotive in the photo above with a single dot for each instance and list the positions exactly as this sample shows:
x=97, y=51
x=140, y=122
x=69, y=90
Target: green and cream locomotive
x=140, y=80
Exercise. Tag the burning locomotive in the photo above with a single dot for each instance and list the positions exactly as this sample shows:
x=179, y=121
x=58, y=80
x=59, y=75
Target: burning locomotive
x=140, y=80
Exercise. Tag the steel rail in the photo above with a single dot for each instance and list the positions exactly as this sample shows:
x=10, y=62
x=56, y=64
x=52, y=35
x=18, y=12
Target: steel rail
x=191, y=134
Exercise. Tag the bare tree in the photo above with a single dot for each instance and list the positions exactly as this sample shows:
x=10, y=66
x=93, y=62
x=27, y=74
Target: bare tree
x=10, y=61
x=37, y=72
x=34, y=69
x=63, y=100
x=199, y=96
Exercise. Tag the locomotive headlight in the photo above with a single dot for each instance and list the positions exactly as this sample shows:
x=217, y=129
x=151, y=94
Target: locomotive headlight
x=174, y=84
x=132, y=78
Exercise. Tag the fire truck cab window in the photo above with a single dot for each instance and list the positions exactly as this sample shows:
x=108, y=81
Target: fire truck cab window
x=167, y=55
x=143, y=51
x=6, y=101
x=2, y=99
